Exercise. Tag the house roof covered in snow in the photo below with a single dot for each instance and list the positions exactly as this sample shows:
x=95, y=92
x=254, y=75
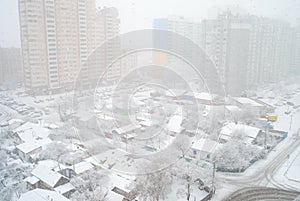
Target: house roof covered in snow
x=30, y=146
x=30, y=132
x=146, y=123
x=118, y=159
x=31, y=179
x=47, y=175
x=247, y=101
x=82, y=167
x=174, y=124
x=51, y=126
x=231, y=128
x=205, y=145
x=175, y=92
x=64, y=188
x=126, y=129
x=233, y=108
x=203, y=96
x=41, y=194
x=105, y=116
x=12, y=121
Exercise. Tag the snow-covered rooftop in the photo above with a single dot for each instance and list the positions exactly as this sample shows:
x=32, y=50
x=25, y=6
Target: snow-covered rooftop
x=121, y=181
x=119, y=160
x=51, y=126
x=174, y=124
x=175, y=92
x=82, y=167
x=247, y=101
x=64, y=188
x=233, y=108
x=45, y=174
x=146, y=123
x=105, y=117
x=29, y=132
x=41, y=194
x=12, y=121
x=28, y=147
x=205, y=145
x=31, y=179
x=230, y=129
x=93, y=161
x=127, y=129
x=203, y=96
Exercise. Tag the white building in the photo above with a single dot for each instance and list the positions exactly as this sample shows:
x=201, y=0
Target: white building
x=42, y=194
x=204, y=148
x=232, y=130
x=55, y=41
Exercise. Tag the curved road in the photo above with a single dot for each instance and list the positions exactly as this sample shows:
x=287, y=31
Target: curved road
x=264, y=175
x=262, y=193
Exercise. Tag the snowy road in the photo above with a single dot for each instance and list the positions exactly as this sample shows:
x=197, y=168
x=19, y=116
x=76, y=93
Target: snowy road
x=269, y=172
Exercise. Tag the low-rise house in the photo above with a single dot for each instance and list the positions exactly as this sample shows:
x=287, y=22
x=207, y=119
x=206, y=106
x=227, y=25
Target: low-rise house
x=121, y=189
x=175, y=94
x=233, y=130
x=14, y=123
x=174, y=125
x=51, y=126
x=26, y=150
x=82, y=167
x=128, y=137
x=32, y=182
x=204, y=148
x=42, y=194
x=249, y=105
x=49, y=179
x=29, y=132
x=204, y=98
x=119, y=160
x=126, y=129
x=65, y=189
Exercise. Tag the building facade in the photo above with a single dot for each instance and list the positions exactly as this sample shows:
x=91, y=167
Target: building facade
x=247, y=50
x=55, y=41
x=10, y=67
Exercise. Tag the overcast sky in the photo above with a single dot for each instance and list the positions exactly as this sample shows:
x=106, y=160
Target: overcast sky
x=138, y=14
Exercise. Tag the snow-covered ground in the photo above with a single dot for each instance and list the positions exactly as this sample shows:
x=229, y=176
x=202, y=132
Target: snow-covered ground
x=279, y=169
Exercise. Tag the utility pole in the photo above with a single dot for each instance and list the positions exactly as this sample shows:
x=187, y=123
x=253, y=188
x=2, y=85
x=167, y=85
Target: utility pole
x=213, y=177
x=291, y=121
x=266, y=130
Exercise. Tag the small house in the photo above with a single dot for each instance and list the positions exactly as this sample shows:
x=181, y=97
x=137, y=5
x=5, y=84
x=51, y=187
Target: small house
x=14, y=123
x=65, y=189
x=204, y=148
x=233, y=130
x=174, y=125
x=82, y=167
x=49, y=179
x=42, y=194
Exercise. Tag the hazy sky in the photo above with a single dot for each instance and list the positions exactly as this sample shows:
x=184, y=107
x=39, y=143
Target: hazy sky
x=138, y=14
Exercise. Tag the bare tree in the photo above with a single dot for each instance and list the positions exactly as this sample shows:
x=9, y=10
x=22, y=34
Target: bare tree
x=92, y=186
x=156, y=184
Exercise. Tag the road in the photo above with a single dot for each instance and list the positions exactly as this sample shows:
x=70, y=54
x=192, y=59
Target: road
x=262, y=193
x=263, y=176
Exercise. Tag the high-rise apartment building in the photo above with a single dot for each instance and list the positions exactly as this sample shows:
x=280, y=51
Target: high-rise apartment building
x=180, y=25
x=55, y=41
x=107, y=46
x=246, y=50
x=188, y=42
x=10, y=66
